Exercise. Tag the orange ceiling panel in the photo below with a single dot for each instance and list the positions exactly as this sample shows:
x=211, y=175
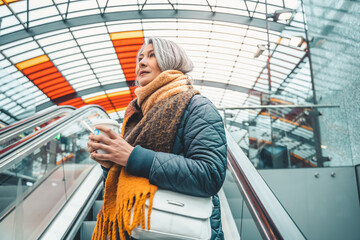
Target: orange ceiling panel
x=120, y=93
x=121, y=98
x=113, y=102
x=76, y=102
x=32, y=62
x=128, y=60
x=129, y=65
x=52, y=82
x=126, y=45
x=58, y=86
x=116, y=110
x=129, y=48
x=101, y=102
x=38, y=67
x=48, y=78
x=132, y=75
x=60, y=93
x=129, y=71
x=125, y=55
x=2, y=2
x=127, y=35
x=42, y=72
x=107, y=107
x=57, y=92
x=129, y=41
x=93, y=99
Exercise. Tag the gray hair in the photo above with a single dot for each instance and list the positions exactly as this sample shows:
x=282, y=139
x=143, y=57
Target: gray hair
x=169, y=55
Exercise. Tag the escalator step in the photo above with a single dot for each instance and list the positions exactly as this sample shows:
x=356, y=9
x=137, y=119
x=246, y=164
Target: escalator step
x=87, y=229
x=96, y=208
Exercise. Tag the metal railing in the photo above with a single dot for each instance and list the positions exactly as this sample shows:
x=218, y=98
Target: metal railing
x=39, y=118
x=271, y=219
x=63, y=179
x=21, y=148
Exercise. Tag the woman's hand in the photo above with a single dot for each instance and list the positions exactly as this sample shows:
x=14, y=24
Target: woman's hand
x=105, y=164
x=118, y=150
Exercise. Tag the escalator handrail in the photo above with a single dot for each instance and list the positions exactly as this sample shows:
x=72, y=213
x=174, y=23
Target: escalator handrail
x=18, y=127
x=270, y=216
x=31, y=142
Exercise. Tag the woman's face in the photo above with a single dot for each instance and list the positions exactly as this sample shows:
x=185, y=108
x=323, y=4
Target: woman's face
x=147, y=68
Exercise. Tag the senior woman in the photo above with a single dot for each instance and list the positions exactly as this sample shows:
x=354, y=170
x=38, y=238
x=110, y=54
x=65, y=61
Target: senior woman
x=172, y=138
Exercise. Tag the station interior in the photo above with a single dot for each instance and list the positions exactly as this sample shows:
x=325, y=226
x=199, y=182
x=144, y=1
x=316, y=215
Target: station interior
x=283, y=74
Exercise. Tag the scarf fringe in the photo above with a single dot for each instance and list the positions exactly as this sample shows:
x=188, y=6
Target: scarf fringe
x=106, y=227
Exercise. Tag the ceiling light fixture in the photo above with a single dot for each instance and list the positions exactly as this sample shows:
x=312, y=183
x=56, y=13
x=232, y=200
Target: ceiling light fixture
x=260, y=49
x=281, y=15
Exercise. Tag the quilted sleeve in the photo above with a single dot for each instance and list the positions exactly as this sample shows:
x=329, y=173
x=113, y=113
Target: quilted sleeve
x=201, y=170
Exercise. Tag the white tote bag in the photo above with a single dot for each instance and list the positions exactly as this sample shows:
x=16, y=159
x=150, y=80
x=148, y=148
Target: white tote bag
x=177, y=216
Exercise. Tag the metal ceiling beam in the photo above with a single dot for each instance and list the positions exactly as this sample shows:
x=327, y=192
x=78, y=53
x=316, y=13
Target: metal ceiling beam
x=67, y=9
x=257, y=2
x=105, y=7
x=247, y=9
x=210, y=6
x=27, y=14
x=134, y=15
x=57, y=8
x=97, y=2
x=288, y=78
x=142, y=8
x=222, y=86
x=172, y=5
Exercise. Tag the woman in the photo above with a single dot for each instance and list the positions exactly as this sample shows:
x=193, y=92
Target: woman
x=172, y=138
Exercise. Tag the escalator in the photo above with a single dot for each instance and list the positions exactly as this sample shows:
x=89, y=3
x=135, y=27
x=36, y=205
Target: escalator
x=40, y=174
x=249, y=208
x=56, y=189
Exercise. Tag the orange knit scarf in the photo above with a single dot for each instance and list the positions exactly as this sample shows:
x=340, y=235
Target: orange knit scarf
x=168, y=83
x=124, y=199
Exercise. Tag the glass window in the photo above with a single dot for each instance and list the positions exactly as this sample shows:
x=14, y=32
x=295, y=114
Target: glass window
x=27, y=55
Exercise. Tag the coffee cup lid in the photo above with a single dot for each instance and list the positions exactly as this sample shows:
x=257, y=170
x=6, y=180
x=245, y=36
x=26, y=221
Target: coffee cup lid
x=100, y=121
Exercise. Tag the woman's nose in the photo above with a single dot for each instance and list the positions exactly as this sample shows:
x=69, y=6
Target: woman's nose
x=143, y=62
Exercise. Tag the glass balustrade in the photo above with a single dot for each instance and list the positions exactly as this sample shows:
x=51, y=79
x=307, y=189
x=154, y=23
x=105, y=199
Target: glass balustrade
x=26, y=127
x=286, y=135
x=35, y=187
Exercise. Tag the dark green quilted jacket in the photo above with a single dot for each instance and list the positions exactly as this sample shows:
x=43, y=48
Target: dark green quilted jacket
x=197, y=164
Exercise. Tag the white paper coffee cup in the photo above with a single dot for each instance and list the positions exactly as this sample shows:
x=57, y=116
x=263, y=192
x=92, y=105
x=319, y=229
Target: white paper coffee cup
x=109, y=123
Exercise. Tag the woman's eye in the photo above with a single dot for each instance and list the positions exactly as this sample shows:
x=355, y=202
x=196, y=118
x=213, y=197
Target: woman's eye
x=139, y=59
x=152, y=55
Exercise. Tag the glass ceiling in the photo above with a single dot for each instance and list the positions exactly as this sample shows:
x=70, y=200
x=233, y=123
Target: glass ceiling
x=67, y=52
